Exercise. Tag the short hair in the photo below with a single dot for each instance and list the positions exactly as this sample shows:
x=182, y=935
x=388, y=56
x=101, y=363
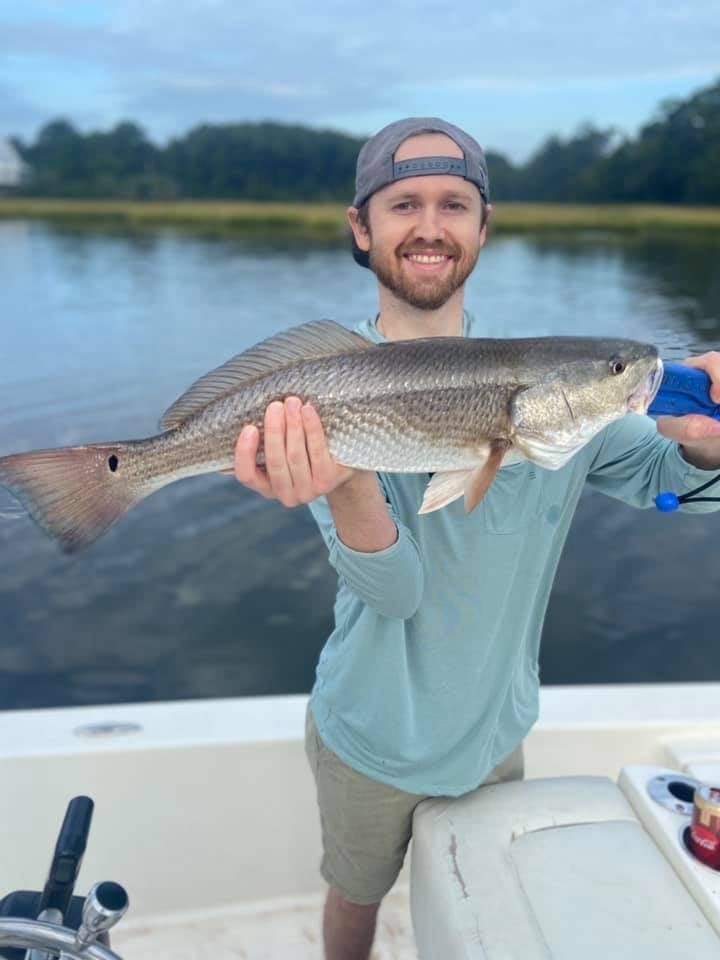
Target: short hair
x=361, y=256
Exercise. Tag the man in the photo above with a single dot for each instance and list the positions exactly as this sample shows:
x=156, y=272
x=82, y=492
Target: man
x=429, y=682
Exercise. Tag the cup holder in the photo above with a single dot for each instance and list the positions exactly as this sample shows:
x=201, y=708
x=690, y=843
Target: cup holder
x=674, y=792
x=685, y=834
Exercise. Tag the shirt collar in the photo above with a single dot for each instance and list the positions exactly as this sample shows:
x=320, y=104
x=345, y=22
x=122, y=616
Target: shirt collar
x=368, y=328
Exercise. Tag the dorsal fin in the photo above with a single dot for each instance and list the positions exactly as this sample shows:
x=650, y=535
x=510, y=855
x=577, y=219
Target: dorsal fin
x=319, y=338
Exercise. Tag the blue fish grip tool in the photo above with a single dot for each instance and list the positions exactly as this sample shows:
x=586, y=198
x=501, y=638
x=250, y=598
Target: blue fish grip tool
x=684, y=390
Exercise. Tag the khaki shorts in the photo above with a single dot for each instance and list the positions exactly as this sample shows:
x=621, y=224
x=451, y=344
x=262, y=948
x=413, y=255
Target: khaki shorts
x=366, y=825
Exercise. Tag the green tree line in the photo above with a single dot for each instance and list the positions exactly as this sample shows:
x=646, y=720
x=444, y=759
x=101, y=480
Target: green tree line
x=674, y=158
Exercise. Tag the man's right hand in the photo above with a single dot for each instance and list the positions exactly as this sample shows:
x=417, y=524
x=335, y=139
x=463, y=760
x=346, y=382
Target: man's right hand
x=298, y=465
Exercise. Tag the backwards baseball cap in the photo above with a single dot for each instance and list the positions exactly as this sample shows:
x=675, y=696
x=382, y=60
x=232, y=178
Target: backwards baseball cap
x=376, y=166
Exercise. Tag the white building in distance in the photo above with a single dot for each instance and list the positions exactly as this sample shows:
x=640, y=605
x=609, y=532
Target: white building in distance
x=13, y=168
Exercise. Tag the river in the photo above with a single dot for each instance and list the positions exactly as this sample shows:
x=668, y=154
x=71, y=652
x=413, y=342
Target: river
x=206, y=590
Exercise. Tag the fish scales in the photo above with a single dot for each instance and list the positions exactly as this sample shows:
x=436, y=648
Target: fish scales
x=408, y=408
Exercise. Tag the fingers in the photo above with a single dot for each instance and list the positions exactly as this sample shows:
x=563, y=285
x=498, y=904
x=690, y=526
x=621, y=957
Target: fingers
x=276, y=464
x=286, y=458
x=324, y=468
x=691, y=429
x=710, y=363
x=298, y=464
x=246, y=468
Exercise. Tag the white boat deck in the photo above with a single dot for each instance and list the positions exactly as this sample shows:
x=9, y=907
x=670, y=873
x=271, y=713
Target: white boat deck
x=270, y=931
x=206, y=810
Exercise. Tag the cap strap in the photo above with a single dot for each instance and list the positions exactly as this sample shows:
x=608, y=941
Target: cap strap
x=422, y=166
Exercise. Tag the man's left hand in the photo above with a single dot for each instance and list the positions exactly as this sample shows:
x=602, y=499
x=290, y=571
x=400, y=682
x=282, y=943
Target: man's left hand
x=698, y=436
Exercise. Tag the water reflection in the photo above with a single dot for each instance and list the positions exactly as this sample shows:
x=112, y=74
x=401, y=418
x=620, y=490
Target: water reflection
x=678, y=272
x=205, y=589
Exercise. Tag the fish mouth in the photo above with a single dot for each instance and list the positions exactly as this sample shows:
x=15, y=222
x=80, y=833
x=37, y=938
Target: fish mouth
x=640, y=400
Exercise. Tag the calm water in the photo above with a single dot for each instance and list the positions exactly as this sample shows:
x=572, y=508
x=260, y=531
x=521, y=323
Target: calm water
x=208, y=591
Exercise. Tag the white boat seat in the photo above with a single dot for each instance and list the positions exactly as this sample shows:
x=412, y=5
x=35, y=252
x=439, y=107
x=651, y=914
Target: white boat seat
x=700, y=758
x=547, y=869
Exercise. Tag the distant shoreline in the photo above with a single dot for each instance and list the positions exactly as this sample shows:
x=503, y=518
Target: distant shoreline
x=327, y=221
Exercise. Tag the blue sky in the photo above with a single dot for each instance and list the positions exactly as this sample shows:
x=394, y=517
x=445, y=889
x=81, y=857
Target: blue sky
x=510, y=73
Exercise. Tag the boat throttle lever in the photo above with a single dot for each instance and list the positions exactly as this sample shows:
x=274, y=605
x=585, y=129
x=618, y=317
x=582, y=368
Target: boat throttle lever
x=68, y=855
x=42, y=925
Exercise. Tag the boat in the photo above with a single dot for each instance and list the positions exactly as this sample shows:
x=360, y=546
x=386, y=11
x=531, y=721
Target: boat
x=204, y=812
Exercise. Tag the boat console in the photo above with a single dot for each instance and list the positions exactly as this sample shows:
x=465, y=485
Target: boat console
x=40, y=925
x=564, y=867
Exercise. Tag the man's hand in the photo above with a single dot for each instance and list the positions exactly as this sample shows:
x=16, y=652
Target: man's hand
x=298, y=465
x=698, y=436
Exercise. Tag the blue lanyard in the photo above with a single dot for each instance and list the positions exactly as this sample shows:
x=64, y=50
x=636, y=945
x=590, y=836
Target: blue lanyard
x=669, y=502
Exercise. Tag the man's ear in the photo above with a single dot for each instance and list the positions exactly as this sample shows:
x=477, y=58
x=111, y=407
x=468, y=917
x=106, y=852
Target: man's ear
x=361, y=233
x=487, y=213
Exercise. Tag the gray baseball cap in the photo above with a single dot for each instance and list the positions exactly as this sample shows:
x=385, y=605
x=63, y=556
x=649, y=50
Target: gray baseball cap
x=376, y=166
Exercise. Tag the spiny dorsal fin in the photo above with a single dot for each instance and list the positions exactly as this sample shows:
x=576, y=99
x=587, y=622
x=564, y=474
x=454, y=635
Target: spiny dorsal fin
x=319, y=338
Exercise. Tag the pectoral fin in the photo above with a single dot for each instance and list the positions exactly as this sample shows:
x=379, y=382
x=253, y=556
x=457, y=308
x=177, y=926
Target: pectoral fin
x=480, y=480
x=445, y=488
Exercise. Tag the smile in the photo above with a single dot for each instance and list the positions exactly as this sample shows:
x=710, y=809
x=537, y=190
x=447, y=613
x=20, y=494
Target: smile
x=428, y=258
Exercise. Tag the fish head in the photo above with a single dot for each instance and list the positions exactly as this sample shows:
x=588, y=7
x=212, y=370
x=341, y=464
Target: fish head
x=613, y=378
x=591, y=383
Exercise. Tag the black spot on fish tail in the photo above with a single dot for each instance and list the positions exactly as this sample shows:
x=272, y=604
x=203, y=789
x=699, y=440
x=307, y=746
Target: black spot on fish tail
x=71, y=493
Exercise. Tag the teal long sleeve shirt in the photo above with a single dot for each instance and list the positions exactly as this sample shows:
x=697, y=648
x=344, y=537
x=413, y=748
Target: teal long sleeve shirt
x=430, y=676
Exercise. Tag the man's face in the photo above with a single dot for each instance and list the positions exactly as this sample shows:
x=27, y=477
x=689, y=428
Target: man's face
x=424, y=234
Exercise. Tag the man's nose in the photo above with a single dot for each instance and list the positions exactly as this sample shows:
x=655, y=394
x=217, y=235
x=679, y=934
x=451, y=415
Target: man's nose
x=429, y=224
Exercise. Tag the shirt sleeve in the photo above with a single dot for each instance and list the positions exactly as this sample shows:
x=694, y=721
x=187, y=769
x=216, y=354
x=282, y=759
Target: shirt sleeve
x=389, y=581
x=635, y=463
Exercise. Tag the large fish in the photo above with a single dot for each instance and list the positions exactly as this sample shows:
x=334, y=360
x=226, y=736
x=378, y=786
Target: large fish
x=451, y=406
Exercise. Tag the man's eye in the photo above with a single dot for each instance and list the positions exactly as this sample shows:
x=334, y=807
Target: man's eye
x=455, y=205
x=404, y=205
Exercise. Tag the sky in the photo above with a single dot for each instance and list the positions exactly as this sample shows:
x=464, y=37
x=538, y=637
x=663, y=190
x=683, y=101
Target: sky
x=511, y=73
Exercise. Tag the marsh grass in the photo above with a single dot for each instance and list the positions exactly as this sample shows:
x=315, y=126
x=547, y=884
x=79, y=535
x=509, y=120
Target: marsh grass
x=322, y=219
x=327, y=221
x=615, y=217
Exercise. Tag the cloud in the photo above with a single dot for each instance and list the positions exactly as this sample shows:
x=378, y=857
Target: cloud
x=172, y=66
x=413, y=40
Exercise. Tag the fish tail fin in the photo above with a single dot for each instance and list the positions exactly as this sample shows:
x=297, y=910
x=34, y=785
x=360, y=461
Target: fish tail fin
x=74, y=493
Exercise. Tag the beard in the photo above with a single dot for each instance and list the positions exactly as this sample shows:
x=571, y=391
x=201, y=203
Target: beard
x=423, y=293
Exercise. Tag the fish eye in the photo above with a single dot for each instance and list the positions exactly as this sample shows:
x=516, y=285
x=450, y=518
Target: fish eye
x=113, y=463
x=617, y=366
